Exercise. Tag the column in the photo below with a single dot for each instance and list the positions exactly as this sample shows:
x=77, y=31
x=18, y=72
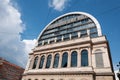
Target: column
x=32, y=62
x=70, y=36
x=89, y=56
x=60, y=59
x=45, y=60
x=88, y=32
x=78, y=34
x=79, y=58
x=37, y=66
x=28, y=63
x=69, y=59
x=52, y=61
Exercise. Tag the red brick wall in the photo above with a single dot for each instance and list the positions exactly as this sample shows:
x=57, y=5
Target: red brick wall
x=10, y=71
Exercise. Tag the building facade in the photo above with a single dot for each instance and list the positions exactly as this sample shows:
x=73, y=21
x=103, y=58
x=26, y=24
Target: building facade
x=71, y=47
x=9, y=71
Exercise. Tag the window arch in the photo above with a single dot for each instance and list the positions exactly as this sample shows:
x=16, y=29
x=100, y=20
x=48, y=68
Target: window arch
x=56, y=61
x=41, y=62
x=64, y=59
x=35, y=62
x=84, y=58
x=99, y=59
x=74, y=59
x=48, y=61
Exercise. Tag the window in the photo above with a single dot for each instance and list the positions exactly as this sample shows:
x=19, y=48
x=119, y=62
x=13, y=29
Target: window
x=84, y=58
x=66, y=37
x=35, y=62
x=64, y=59
x=74, y=35
x=59, y=38
x=74, y=59
x=99, y=59
x=41, y=62
x=56, y=61
x=83, y=33
x=48, y=61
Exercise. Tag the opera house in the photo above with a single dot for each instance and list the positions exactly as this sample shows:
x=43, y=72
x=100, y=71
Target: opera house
x=71, y=47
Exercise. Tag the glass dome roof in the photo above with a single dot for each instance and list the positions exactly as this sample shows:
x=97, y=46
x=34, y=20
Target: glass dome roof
x=70, y=26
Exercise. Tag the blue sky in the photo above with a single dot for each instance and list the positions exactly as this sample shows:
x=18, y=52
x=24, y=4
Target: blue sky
x=37, y=13
x=21, y=21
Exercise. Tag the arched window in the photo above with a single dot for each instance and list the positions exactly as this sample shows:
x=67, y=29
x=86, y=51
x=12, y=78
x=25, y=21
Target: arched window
x=41, y=62
x=48, y=61
x=99, y=59
x=64, y=59
x=35, y=62
x=74, y=59
x=56, y=61
x=84, y=58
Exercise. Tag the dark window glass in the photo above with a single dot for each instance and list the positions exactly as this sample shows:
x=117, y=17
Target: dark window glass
x=35, y=62
x=74, y=59
x=59, y=38
x=41, y=62
x=93, y=35
x=64, y=59
x=99, y=60
x=56, y=61
x=74, y=35
x=66, y=37
x=52, y=41
x=83, y=33
x=48, y=61
x=84, y=58
x=93, y=30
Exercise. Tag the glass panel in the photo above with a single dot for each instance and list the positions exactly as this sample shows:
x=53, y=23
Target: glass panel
x=99, y=60
x=64, y=59
x=74, y=35
x=74, y=59
x=35, y=62
x=56, y=61
x=66, y=37
x=48, y=61
x=83, y=33
x=93, y=30
x=93, y=35
x=41, y=62
x=59, y=38
x=84, y=58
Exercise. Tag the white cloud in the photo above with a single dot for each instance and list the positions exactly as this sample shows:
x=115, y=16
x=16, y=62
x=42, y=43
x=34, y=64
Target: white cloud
x=29, y=44
x=12, y=47
x=58, y=4
x=116, y=71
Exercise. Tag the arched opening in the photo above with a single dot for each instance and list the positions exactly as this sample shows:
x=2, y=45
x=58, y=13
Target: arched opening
x=99, y=59
x=74, y=59
x=42, y=62
x=64, y=59
x=56, y=61
x=35, y=62
x=48, y=61
x=84, y=58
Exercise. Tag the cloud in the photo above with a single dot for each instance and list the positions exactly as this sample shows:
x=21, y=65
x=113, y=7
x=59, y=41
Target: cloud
x=116, y=71
x=29, y=44
x=12, y=48
x=58, y=5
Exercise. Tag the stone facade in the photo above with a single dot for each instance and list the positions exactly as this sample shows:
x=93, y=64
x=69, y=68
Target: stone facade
x=96, y=66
